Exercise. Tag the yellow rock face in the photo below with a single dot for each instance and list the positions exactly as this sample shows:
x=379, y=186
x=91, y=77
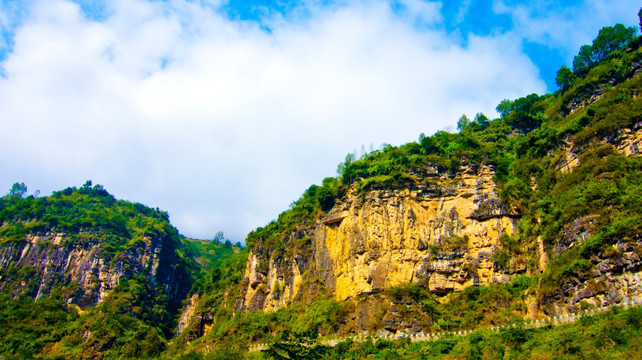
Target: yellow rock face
x=441, y=236
x=396, y=237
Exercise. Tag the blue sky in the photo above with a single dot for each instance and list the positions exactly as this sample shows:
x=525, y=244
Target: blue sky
x=224, y=112
x=462, y=19
x=459, y=19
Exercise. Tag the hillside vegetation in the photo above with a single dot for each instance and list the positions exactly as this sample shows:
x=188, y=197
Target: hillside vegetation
x=137, y=315
x=567, y=169
x=562, y=162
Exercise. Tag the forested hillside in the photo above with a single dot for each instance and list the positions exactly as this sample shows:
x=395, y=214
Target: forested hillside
x=86, y=275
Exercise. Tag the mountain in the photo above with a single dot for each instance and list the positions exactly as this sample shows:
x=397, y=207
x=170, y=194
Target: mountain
x=531, y=216
x=82, y=242
x=114, y=272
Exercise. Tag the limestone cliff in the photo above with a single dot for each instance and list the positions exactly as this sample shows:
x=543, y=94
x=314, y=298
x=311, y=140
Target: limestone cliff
x=80, y=244
x=555, y=230
x=81, y=268
x=444, y=233
x=441, y=234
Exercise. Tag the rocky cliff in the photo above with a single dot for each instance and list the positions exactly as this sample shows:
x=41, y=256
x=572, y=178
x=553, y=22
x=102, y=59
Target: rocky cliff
x=81, y=244
x=556, y=233
x=444, y=235
x=441, y=234
x=448, y=228
x=80, y=267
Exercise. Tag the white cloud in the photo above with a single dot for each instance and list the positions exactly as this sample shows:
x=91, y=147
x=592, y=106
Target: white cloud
x=422, y=11
x=221, y=123
x=569, y=26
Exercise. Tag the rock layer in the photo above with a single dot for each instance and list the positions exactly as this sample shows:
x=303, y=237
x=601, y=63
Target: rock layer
x=441, y=234
x=81, y=268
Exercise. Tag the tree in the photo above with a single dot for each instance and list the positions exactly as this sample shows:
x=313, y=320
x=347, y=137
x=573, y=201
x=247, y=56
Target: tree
x=428, y=144
x=325, y=194
x=482, y=120
x=565, y=78
x=610, y=38
x=299, y=345
x=341, y=168
x=219, y=237
x=582, y=61
x=524, y=114
x=504, y=108
x=463, y=122
x=18, y=189
x=640, y=17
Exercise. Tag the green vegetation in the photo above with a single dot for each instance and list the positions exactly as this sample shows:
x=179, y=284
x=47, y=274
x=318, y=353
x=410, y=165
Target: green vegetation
x=139, y=314
x=293, y=332
x=236, y=331
x=298, y=346
x=611, y=43
x=75, y=211
x=616, y=334
x=27, y=326
x=48, y=327
x=559, y=164
x=300, y=323
x=610, y=39
x=209, y=253
x=527, y=146
x=17, y=190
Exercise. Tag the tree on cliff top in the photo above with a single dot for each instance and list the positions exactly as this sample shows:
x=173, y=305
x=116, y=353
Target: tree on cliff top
x=524, y=114
x=565, y=77
x=18, y=189
x=609, y=39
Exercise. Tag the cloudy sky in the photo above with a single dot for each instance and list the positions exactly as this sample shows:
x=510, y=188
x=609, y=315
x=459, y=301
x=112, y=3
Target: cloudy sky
x=224, y=112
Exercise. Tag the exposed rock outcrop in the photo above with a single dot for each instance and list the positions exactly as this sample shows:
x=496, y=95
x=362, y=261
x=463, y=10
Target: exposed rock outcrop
x=82, y=268
x=441, y=234
x=614, y=276
x=626, y=141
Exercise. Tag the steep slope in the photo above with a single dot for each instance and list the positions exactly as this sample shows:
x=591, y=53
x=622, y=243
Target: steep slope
x=440, y=234
x=531, y=214
x=103, y=258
